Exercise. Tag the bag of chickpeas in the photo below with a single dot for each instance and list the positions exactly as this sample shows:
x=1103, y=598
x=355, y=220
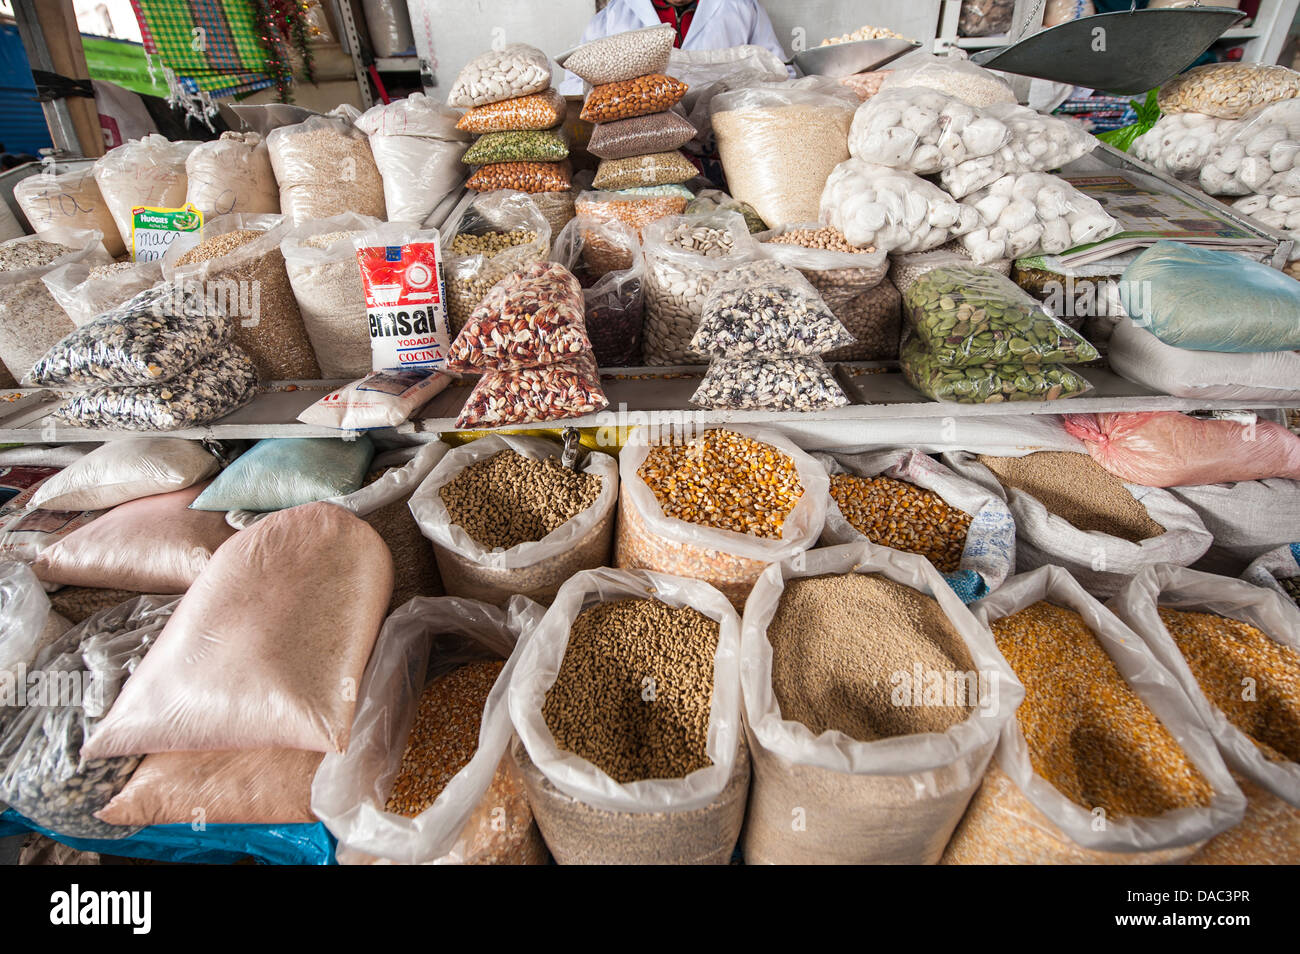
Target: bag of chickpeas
x=1141, y=782
x=1235, y=649
x=906, y=500
x=650, y=769
x=426, y=778
x=506, y=516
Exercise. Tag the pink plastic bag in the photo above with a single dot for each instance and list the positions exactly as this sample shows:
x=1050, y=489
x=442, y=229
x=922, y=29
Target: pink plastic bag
x=1169, y=449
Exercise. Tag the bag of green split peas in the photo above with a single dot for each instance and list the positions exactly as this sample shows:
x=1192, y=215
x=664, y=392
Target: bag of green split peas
x=523, y=145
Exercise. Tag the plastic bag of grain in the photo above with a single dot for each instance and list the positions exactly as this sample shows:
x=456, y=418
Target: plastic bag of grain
x=494, y=559
x=417, y=149
x=1212, y=672
x=1020, y=817
x=27, y=623
x=1277, y=570
x=1074, y=515
x=1246, y=518
x=384, y=503
x=320, y=258
x=780, y=141
x=673, y=742
x=324, y=167
x=231, y=174
x=827, y=795
x=143, y=172
x=661, y=528
x=70, y=197
x=988, y=553
x=85, y=292
x=377, y=801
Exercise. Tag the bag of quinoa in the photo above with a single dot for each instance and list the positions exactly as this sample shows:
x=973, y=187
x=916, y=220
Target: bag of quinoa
x=678, y=494
x=1151, y=749
x=652, y=771
x=987, y=552
x=1212, y=665
x=896, y=796
x=532, y=523
x=417, y=785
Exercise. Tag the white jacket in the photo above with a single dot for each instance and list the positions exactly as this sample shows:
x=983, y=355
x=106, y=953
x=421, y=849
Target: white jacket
x=717, y=25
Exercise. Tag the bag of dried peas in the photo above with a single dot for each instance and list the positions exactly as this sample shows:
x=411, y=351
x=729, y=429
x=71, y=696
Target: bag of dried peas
x=1148, y=746
x=1212, y=661
x=426, y=754
x=891, y=800
x=907, y=500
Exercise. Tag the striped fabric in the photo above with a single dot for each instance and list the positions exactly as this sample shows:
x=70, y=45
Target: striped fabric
x=230, y=59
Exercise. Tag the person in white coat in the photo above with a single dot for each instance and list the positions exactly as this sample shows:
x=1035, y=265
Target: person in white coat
x=708, y=25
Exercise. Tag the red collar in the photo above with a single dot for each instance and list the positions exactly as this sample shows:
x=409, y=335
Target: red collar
x=679, y=18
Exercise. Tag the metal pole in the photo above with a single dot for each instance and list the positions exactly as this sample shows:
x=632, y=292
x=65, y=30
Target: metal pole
x=57, y=115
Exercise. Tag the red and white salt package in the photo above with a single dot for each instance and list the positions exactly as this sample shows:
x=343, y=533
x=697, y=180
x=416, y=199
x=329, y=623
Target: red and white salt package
x=401, y=274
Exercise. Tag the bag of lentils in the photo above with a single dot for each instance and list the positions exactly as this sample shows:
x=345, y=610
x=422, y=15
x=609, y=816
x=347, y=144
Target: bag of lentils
x=1151, y=788
x=633, y=772
x=654, y=169
x=506, y=516
x=1213, y=634
x=428, y=744
x=719, y=506
x=641, y=135
x=848, y=770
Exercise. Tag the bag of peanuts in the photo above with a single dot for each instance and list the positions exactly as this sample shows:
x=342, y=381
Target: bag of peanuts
x=606, y=259
x=505, y=516
x=717, y=505
x=1213, y=634
x=891, y=793
x=1072, y=514
x=648, y=771
x=906, y=500
x=425, y=778
x=1155, y=787
x=634, y=211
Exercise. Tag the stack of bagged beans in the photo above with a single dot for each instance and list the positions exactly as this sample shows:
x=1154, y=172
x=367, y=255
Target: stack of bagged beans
x=512, y=106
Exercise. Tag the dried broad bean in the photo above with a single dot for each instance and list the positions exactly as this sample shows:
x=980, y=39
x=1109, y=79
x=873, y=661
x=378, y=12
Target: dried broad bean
x=640, y=135
x=522, y=177
x=776, y=384
x=987, y=383
x=623, y=56
x=968, y=315
x=551, y=392
x=653, y=93
x=543, y=110
x=526, y=145
x=660, y=168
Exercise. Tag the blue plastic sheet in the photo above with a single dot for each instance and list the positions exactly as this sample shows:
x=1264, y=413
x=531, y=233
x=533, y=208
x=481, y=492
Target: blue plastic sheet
x=307, y=844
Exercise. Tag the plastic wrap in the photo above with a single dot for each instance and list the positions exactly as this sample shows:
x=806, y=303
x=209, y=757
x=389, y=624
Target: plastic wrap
x=641, y=135
x=1030, y=213
x=1037, y=143
x=85, y=292
x=142, y=172
x=622, y=56
x=922, y=130
x=122, y=470
x=653, y=93
x=891, y=210
x=774, y=383
x=417, y=148
x=231, y=174
x=606, y=257
x=1228, y=90
x=325, y=167
x=68, y=198
x=987, y=383
x=24, y=618
x=516, y=69
x=281, y=472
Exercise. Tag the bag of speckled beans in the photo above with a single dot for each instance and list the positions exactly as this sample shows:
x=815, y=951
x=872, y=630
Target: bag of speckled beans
x=324, y=167
x=602, y=790
x=1072, y=514
x=606, y=259
x=718, y=505
x=779, y=143
x=414, y=788
x=1019, y=816
x=505, y=517
x=684, y=256
x=988, y=541
x=516, y=69
x=1211, y=666
x=890, y=800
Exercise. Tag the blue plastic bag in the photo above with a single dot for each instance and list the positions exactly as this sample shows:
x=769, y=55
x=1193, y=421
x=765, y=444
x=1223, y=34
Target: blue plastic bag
x=277, y=473
x=306, y=844
x=1206, y=300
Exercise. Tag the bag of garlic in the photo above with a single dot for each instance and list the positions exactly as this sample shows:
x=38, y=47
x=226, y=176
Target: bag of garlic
x=891, y=209
x=1030, y=213
x=922, y=130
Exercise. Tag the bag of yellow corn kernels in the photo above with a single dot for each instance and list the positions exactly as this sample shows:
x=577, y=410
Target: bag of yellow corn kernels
x=989, y=554
x=889, y=801
x=1270, y=832
x=1019, y=817
x=423, y=640
x=649, y=539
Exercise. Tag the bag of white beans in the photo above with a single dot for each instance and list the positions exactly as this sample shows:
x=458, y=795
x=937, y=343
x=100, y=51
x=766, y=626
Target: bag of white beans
x=516, y=69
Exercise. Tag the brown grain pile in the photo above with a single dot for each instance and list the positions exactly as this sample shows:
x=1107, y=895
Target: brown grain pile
x=842, y=644
x=1088, y=732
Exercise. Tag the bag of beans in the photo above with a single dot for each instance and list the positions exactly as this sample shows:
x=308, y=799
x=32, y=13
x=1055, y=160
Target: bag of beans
x=1171, y=449
x=964, y=530
x=1072, y=514
x=231, y=174
x=622, y=56
x=650, y=770
x=627, y=99
x=1277, y=570
x=70, y=197
x=633, y=210
x=1233, y=648
x=425, y=778
x=143, y=172
x=325, y=167
x=1246, y=518
x=516, y=69
x=505, y=517
x=606, y=259
x=641, y=135
x=85, y=291
x=267, y=646
x=1156, y=787
x=543, y=110
x=719, y=506
x=885, y=778
x=418, y=149
x=550, y=392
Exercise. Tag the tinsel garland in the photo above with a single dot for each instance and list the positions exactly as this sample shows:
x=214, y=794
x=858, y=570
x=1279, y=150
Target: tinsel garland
x=280, y=22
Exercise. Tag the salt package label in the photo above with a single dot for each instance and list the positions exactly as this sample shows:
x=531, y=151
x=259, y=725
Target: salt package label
x=405, y=306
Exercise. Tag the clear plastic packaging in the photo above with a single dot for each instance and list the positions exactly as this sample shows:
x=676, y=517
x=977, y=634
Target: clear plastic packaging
x=1228, y=90
x=987, y=383
x=1037, y=143
x=522, y=177
x=142, y=172
x=653, y=93
x=640, y=135
x=838, y=275
x=622, y=56
x=86, y=291
x=1030, y=213
x=891, y=210
x=544, y=110
x=634, y=211
x=1256, y=154
x=765, y=309
x=606, y=258
x=953, y=75
x=556, y=207
x=771, y=383
x=1181, y=144
x=922, y=130
x=417, y=148
x=655, y=169
x=519, y=145
x=70, y=197
x=985, y=17
x=24, y=620
x=552, y=392
x=516, y=69
x=968, y=315
x=231, y=174
x=535, y=569
x=325, y=167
